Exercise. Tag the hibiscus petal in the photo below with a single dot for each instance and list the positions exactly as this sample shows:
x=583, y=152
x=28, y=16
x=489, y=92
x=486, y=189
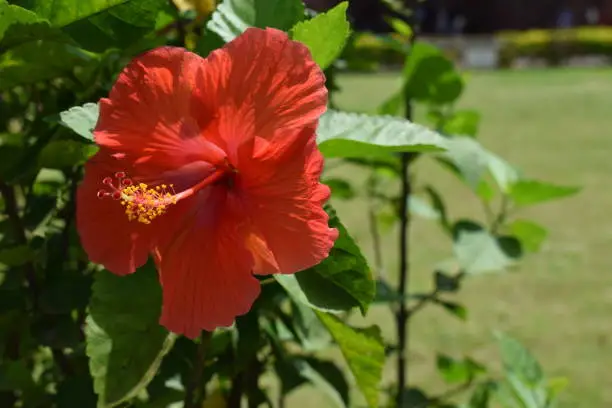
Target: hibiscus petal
x=106, y=235
x=266, y=88
x=151, y=109
x=205, y=269
x=285, y=201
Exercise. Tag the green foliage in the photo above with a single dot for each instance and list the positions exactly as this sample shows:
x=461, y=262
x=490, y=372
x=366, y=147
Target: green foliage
x=123, y=312
x=529, y=192
x=339, y=283
x=351, y=135
x=364, y=352
x=232, y=17
x=554, y=46
x=74, y=335
x=324, y=35
x=81, y=119
x=430, y=76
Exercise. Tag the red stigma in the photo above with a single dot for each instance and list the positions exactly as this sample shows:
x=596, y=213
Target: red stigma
x=102, y=194
x=120, y=174
x=108, y=181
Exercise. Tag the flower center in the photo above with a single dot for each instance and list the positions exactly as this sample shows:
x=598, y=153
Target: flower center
x=144, y=203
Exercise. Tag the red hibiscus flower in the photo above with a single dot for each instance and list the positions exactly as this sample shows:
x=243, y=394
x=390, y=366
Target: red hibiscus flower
x=211, y=166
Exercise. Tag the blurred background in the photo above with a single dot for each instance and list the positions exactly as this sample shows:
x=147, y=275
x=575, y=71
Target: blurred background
x=538, y=74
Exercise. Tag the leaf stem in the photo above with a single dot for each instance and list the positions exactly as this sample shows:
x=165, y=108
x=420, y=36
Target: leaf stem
x=195, y=393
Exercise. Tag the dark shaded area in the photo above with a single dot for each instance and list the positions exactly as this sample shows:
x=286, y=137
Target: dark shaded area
x=444, y=17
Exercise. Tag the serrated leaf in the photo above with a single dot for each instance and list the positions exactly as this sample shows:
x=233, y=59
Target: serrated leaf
x=364, y=352
x=341, y=282
x=18, y=26
x=81, y=119
x=353, y=135
x=530, y=192
x=121, y=363
x=325, y=35
x=530, y=234
x=232, y=17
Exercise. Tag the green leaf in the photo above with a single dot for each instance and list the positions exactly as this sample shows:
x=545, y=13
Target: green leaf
x=395, y=105
x=419, y=206
x=64, y=154
x=312, y=334
x=340, y=188
x=446, y=283
x=518, y=360
x=39, y=60
x=529, y=192
x=325, y=376
x=400, y=27
x=325, y=35
x=456, y=309
x=98, y=24
x=117, y=24
x=364, y=352
x=481, y=395
x=18, y=26
x=462, y=122
x=125, y=342
x=472, y=161
x=64, y=12
x=530, y=234
x=17, y=255
x=232, y=17
x=340, y=282
x=431, y=77
x=458, y=371
x=477, y=250
x=342, y=134
x=81, y=119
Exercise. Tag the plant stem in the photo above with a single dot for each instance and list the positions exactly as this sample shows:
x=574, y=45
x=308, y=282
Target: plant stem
x=235, y=396
x=191, y=399
x=404, y=275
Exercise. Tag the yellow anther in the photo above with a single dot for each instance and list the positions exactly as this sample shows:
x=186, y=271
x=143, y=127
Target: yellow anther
x=144, y=204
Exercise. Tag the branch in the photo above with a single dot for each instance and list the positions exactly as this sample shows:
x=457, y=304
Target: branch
x=195, y=393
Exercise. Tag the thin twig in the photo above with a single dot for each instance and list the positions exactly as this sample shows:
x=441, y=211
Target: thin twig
x=194, y=387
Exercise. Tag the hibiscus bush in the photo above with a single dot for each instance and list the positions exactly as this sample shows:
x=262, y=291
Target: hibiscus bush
x=167, y=236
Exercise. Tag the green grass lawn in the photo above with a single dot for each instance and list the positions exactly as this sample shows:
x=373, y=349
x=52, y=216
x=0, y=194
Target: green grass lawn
x=556, y=126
